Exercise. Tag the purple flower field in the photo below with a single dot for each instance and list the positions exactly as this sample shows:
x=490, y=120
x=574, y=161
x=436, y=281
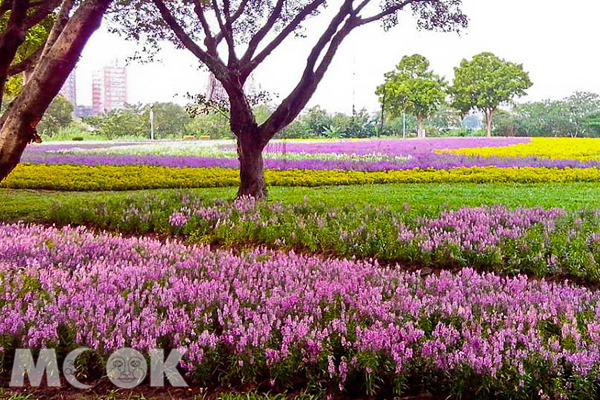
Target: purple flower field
x=420, y=154
x=265, y=312
x=391, y=147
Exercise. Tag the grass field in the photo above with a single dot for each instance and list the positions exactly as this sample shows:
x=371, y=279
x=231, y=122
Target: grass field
x=33, y=205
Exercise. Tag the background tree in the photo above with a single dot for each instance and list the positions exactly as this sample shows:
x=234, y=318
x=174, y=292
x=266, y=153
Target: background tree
x=233, y=37
x=50, y=65
x=445, y=119
x=58, y=116
x=128, y=122
x=593, y=124
x=485, y=83
x=414, y=89
x=170, y=120
x=577, y=109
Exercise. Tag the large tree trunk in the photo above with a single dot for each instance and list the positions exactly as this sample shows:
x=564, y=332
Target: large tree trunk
x=18, y=124
x=252, y=171
x=489, y=114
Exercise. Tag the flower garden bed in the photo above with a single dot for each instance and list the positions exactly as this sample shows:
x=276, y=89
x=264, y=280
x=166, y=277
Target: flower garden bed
x=349, y=325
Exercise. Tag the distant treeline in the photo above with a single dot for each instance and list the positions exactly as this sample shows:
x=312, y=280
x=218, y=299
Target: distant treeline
x=575, y=116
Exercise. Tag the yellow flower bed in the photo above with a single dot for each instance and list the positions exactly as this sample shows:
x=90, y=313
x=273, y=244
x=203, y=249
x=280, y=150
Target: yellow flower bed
x=83, y=178
x=583, y=149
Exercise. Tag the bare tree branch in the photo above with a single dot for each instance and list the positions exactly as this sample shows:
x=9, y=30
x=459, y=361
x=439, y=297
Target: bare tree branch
x=285, y=32
x=236, y=15
x=390, y=10
x=227, y=33
x=213, y=63
x=209, y=41
x=61, y=21
x=262, y=32
x=297, y=99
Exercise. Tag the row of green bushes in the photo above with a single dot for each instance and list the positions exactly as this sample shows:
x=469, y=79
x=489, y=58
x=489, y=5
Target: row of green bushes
x=85, y=178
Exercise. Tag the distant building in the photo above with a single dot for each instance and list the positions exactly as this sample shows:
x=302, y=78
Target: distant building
x=69, y=89
x=109, y=89
x=215, y=90
x=97, y=90
x=115, y=88
x=84, y=111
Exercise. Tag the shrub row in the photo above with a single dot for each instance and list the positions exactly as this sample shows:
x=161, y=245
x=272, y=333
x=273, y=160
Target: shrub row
x=87, y=178
x=526, y=240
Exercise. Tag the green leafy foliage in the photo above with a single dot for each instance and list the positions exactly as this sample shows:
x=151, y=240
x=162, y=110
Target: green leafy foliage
x=35, y=38
x=486, y=82
x=58, y=116
x=574, y=116
x=412, y=88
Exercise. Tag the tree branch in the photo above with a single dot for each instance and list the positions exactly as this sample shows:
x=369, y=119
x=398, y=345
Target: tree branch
x=45, y=9
x=215, y=65
x=285, y=32
x=26, y=64
x=236, y=15
x=59, y=25
x=389, y=11
x=291, y=106
x=209, y=41
x=227, y=33
x=262, y=32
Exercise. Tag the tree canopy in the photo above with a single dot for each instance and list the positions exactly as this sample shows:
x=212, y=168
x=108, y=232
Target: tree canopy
x=485, y=83
x=412, y=88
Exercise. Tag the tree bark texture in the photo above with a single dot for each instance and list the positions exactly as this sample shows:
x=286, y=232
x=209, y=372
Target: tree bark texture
x=18, y=124
x=252, y=170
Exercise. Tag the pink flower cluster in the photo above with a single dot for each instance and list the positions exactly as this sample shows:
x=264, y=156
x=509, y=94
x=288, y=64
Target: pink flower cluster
x=264, y=308
x=477, y=228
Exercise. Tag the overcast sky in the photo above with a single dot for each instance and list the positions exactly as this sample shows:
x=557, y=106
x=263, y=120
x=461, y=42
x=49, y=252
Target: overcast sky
x=556, y=41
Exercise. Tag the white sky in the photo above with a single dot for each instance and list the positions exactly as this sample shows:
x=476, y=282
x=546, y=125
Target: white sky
x=556, y=41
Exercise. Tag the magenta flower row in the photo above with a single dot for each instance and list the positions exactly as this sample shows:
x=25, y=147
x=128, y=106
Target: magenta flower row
x=267, y=308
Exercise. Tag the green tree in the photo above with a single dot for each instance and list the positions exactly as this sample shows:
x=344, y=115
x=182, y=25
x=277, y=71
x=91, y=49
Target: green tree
x=445, y=119
x=593, y=124
x=485, y=83
x=128, y=122
x=58, y=115
x=577, y=109
x=170, y=119
x=414, y=89
x=232, y=38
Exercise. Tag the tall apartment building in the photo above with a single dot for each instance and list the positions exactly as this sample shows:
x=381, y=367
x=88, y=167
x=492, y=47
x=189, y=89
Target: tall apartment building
x=69, y=89
x=97, y=91
x=109, y=89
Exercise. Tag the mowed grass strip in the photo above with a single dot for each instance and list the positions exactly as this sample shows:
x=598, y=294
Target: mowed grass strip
x=34, y=205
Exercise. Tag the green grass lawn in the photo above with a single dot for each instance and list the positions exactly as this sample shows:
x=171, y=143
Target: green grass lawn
x=33, y=205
